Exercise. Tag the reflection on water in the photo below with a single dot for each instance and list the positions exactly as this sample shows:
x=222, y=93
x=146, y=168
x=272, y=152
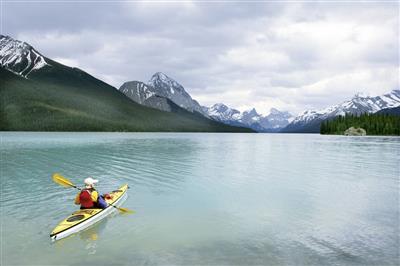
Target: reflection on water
x=242, y=199
x=91, y=235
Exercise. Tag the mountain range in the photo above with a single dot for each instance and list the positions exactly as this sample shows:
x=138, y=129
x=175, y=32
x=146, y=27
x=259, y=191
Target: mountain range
x=40, y=94
x=309, y=121
x=273, y=122
x=161, y=91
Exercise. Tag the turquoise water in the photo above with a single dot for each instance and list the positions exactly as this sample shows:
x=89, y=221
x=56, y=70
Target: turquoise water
x=236, y=199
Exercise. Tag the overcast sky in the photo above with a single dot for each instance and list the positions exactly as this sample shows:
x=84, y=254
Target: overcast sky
x=290, y=55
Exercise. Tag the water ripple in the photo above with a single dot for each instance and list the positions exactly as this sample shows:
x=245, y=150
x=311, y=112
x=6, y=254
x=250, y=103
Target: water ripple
x=240, y=199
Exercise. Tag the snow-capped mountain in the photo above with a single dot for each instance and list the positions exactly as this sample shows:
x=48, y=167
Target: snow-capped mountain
x=169, y=88
x=145, y=94
x=272, y=122
x=137, y=91
x=161, y=90
x=250, y=117
x=61, y=98
x=276, y=119
x=19, y=57
x=310, y=120
x=223, y=113
x=164, y=87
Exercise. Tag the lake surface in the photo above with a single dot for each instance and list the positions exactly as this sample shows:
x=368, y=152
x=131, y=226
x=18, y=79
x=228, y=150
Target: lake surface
x=219, y=199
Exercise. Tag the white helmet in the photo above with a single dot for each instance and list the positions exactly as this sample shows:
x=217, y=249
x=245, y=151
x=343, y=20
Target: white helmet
x=90, y=181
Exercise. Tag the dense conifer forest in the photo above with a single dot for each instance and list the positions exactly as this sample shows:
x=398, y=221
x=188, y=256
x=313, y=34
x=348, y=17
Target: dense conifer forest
x=374, y=124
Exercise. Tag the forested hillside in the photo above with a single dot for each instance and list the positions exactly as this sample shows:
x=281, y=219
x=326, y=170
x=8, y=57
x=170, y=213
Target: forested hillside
x=374, y=124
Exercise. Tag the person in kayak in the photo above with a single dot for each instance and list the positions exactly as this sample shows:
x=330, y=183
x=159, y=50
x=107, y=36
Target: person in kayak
x=88, y=197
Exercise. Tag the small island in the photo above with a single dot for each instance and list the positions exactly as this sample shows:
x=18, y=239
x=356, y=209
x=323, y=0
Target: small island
x=365, y=124
x=355, y=132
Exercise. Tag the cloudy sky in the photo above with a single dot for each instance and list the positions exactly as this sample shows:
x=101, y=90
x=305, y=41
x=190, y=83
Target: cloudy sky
x=288, y=55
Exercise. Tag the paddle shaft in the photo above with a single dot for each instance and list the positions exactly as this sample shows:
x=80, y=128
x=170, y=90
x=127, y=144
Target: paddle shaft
x=65, y=182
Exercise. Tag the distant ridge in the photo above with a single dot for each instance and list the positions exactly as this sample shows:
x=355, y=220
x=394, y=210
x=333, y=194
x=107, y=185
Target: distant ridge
x=272, y=122
x=309, y=121
x=390, y=111
x=162, y=91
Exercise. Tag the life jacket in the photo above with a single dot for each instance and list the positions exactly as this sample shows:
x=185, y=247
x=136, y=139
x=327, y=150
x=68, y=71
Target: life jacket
x=86, y=199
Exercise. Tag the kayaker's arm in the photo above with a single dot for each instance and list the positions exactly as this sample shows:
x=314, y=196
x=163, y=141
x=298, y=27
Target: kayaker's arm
x=94, y=195
x=77, y=201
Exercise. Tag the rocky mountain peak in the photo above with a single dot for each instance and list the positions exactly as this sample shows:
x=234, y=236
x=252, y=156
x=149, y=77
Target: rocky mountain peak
x=250, y=118
x=395, y=93
x=19, y=57
x=220, y=107
x=8, y=43
x=360, y=95
x=274, y=111
x=251, y=112
x=163, y=86
x=160, y=79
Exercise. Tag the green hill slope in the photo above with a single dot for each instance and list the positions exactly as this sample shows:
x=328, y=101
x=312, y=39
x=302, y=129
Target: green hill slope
x=59, y=98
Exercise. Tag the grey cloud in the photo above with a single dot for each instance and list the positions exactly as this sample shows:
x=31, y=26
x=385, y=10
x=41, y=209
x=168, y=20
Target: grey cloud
x=217, y=50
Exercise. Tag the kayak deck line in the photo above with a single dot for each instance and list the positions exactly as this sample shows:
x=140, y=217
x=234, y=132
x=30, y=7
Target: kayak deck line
x=81, y=219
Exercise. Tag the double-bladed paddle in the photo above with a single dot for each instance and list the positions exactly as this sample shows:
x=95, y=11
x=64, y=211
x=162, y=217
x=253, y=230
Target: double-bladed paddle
x=59, y=179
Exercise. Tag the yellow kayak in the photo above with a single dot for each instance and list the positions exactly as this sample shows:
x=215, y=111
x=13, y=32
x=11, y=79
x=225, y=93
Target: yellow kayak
x=82, y=219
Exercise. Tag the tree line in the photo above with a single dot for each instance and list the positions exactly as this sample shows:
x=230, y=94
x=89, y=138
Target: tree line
x=374, y=124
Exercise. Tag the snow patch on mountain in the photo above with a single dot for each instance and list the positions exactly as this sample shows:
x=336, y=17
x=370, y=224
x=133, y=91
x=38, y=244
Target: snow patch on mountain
x=19, y=57
x=167, y=87
x=137, y=91
x=221, y=112
x=358, y=105
x=272, y=122
x=164, y=87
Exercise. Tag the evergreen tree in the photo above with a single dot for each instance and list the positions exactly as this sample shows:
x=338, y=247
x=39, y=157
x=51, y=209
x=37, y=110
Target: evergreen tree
x=374, y=124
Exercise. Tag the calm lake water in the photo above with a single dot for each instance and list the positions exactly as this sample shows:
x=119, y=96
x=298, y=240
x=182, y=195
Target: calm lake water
x=219, y=199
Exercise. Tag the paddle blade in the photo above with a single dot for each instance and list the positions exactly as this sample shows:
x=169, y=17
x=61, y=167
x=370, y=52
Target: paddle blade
x=124, y=210
x=59, y=179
